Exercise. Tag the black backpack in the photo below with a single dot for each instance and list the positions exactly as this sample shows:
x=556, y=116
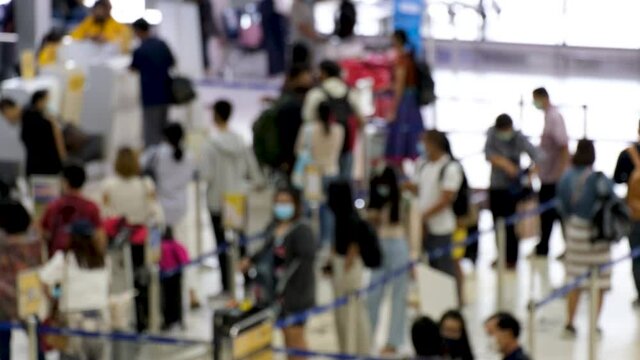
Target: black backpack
x=343, y=114
x=369, y=243
x=461, y=203
x=266, y=139
x=426, y=85
x=611, y=215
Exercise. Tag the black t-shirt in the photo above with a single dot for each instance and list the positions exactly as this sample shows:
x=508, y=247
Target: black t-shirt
x=624, y=167
x=289, y=124
x=153, y=60
x=40, y=145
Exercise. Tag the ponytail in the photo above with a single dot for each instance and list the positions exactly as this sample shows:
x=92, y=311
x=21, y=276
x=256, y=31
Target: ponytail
x=173, y=133
x=324, y=113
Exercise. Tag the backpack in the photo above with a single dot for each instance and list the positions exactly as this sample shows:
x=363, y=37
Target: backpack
x=426, y=85
x=611, y=216
x=633, y=193
x=342, y=112
x=461, y=203
x=266, y=141
x=369, y=243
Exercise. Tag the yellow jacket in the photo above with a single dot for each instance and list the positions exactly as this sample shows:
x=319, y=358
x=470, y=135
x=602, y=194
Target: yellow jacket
x=110, y=30
x=48, y=55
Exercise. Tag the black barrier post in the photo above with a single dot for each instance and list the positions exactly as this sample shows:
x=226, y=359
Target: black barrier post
x=593, y=311
x=501, y=234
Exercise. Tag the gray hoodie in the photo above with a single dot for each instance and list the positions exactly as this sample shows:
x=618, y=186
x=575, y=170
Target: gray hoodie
x=228, y=166
x=511, y=150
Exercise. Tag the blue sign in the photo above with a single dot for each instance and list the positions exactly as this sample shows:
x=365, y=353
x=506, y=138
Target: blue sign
x=407, y=16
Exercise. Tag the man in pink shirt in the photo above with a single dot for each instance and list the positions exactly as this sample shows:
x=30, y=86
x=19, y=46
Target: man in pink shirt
x=554, y=159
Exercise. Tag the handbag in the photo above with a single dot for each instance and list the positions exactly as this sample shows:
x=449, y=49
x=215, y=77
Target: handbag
x=528, y=227
x=182, y=90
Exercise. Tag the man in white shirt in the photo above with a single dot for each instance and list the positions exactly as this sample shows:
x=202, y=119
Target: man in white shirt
x=332, y=85
x=437, y=183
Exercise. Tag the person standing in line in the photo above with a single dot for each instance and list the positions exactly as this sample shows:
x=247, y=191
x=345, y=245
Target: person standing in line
x=503, y=149
x=626, y=172
x=153, y=60
x=578, y=193
x=173, y=169
x=554, y=160
x=437, y=183
x=405, y=122
x=229, y=166
x=275, y=41
x=352, y=322
x=40, y=134
x=384, y=213
x=334, y=90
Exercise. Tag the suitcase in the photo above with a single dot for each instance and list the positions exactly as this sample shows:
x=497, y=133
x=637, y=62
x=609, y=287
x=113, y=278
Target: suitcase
x=223, y=323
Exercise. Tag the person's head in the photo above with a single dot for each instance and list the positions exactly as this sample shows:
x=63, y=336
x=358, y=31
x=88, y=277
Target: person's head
x=173, y=134
x=541, y=98
x=491, y=324
x=329, y=69
x=346, y=20
x=436, y=144
x=222, y=111
x=585, y=154
x=84, y=245
x=385, y=191
x=101, y=10
x=141, y=28
x=73, y=178
x=127, y=164
x=40, y=100
x=454, y=333
x=167, y=235
x=507, y=334
x=504, y=128
x=287, y=204
x=10, y=111
x=399, y=40
x=299, y=79
x=426, y=338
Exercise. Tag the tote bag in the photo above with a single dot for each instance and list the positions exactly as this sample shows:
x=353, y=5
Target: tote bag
x=84, y=289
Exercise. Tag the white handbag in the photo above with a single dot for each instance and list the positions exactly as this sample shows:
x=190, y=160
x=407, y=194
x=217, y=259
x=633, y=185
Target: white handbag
x=84, y=289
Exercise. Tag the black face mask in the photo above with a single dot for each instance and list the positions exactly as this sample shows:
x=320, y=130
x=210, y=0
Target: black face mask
x=453, y=347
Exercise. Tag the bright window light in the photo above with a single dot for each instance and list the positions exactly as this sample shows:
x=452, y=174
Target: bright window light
x=4, y=2
x=153, y=16
x=127, y=11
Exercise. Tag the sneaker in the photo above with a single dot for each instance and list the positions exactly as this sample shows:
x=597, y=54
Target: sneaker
x=569, y=333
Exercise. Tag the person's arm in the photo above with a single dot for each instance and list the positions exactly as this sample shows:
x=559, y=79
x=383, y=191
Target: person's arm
x=398, y=87
x=58, y=139
x=497, y=160
x=310, y=106
x=450, y=183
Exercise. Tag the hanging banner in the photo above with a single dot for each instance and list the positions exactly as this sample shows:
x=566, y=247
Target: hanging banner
x=407, y=16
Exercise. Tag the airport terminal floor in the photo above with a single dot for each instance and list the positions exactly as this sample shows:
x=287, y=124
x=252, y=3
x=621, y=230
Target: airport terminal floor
x=594, y=88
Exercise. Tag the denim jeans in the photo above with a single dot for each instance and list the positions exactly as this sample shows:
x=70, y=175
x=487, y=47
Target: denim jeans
x=346, y=166
x=395, y=254
x=634, y=242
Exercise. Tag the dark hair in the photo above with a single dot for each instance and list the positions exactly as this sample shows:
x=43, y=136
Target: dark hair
x=510, y=323
x=223, y=109
x=495, y=316
x=6, y=103
x=127, y=163
x=346, y=19
x=377, y=201
x=296, y=195
x=38, y=96
x=330, y=69
x=401, y=36
x=324, y=114
x=300, y=55
x=141, y=25
x=174, y=135
x=504, y=122
x=74, y=175
x=426, y=337
x=296, y=70
x=541, y=92
x=585, y=153
x=465, y=349
x=83, y=245
x=101, y=3
x=167, y=235
x=439, y=139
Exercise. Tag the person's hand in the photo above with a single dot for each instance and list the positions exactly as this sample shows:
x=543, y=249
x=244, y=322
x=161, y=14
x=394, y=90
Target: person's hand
x=512, y=170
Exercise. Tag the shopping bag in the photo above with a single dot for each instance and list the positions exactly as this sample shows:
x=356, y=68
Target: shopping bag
x=529, y=226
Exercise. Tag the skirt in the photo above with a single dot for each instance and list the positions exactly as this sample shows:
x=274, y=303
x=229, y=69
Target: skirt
x=404, y=133
x=583, y=254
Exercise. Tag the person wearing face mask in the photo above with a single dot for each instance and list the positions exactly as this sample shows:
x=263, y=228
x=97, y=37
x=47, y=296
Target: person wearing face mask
x=554, y=160
x=40, y=134
x=285, y=264
x=503, y=149
x=454, y=332
x=101, y=28
x=507, y=332
x=384, y=214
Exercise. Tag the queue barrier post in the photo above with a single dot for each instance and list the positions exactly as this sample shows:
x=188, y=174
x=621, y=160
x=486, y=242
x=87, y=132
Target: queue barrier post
x=198, y=214
x=232, y=259
x=531, y=331
x=32, y=334
x=501, y=237
x=593, y=311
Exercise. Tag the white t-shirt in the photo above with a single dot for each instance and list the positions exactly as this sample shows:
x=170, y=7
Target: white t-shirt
x=431, y=184
x=130, y=198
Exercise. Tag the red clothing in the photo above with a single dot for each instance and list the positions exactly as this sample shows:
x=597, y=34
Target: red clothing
x=406, y=62
x=173, y=254
x=61, y=213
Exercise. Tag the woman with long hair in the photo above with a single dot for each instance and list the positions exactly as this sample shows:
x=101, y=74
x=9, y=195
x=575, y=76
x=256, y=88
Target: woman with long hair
x=453, y=329
x=285, y=264
x=407, y=125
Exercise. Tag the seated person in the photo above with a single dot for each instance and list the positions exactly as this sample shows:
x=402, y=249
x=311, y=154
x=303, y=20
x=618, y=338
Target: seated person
x=100, y=27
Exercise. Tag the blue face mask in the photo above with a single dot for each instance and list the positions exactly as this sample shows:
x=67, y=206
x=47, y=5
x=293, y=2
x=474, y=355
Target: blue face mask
x=422, y=150
x=284, y=212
